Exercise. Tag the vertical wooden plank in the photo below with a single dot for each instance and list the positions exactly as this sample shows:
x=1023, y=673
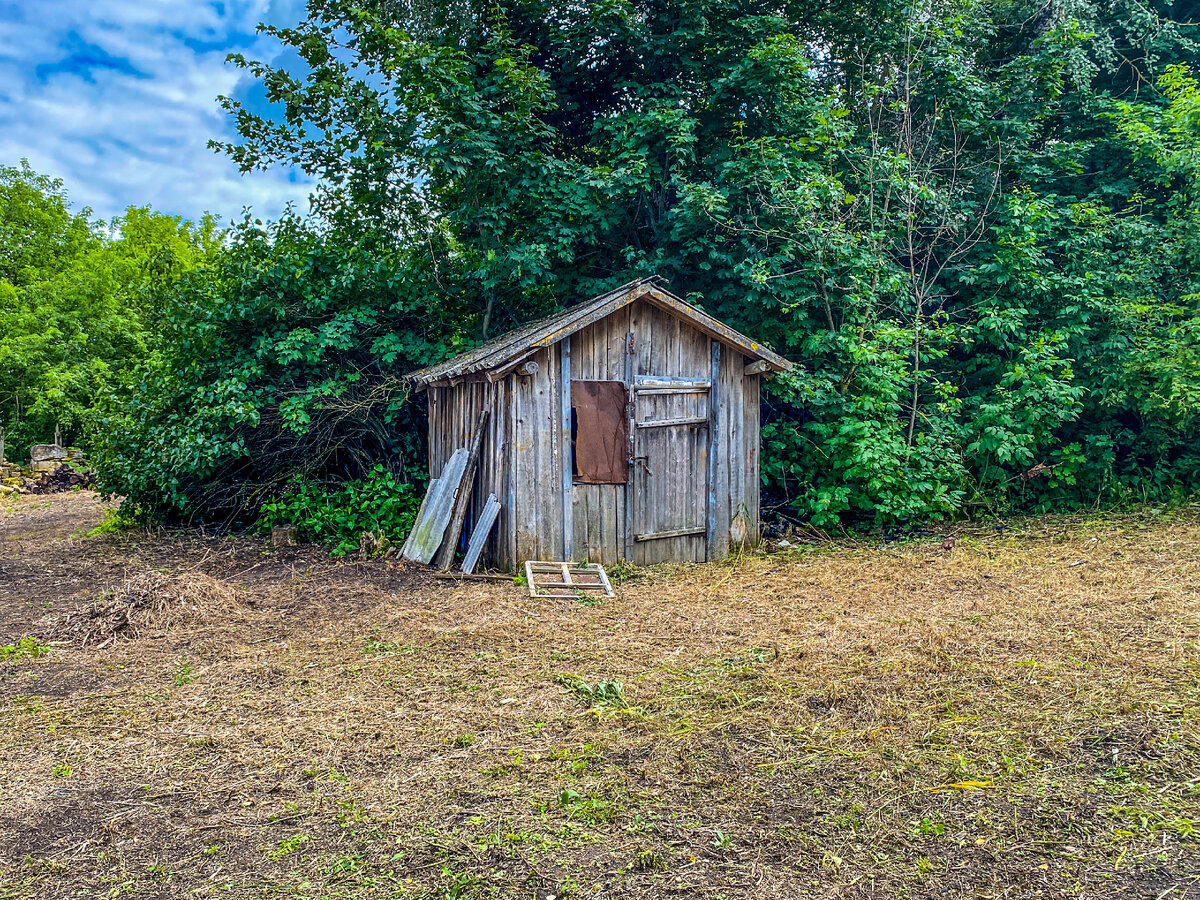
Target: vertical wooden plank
x=431, y=419
x=630, y=370
x=579, y=494
x=534, y=446
x=466, y=403
x=567, y=499
x=587, y=372
x=750, y=436
x=489, y=466
x=598, y=337
x=595, y=540
x=487, y=518
x=724, y=474
x=550, y=519
x=621, y=524
x=641, y=326
x=632, y=338
x=672, y=330
x=497, y=549
x=434, y=460
x=702, y=354
x=738, y=507
x=508, y=517
x=618, y=329
x=712, y=551
x=536, y=470
x=614, y=345
x=580, y=352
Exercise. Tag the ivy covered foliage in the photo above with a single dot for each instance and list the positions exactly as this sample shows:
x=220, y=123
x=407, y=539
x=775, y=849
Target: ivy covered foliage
x=337, y=515
x=973, y=226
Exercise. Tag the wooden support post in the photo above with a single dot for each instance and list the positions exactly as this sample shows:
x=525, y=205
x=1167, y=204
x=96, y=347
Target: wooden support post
x=57, y=434
x=568, y=480
x=1, y=445
x=630, y=375
x=445, y=556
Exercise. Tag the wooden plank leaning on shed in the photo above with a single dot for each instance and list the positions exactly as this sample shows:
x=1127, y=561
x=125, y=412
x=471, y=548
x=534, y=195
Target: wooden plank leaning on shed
x=479, y=535
x=436, y=509
x=462, y=499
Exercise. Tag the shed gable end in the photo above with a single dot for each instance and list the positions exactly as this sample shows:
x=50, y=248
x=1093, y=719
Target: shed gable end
x=498, y=357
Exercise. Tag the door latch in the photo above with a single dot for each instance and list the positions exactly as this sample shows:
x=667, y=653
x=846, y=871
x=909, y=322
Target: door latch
x=633, y=460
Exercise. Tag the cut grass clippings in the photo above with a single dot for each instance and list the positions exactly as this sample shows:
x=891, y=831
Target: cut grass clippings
x=1016, y=717
x=149, y=599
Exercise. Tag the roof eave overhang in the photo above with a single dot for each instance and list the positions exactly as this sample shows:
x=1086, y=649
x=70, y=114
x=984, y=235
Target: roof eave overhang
x=507, y=357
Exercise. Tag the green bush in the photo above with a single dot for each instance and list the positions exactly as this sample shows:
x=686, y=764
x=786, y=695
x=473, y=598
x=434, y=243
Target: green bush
x=79, y=301
x=279, y=360
x=337, y=515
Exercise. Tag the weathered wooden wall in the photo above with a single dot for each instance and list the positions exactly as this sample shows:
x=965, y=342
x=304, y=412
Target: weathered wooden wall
x=545, y=515
x=665, y=346
x=735, y=491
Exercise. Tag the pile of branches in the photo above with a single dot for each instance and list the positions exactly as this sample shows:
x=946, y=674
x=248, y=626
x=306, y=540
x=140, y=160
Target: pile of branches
x=148, y=600
x=64, y=478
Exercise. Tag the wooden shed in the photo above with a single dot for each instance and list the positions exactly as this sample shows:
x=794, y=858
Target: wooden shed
x=622, y=428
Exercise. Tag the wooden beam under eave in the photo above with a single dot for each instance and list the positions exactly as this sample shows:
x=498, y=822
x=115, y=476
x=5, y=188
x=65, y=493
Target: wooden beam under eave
x=469, y=377
x=760, y=367
x=517, y=365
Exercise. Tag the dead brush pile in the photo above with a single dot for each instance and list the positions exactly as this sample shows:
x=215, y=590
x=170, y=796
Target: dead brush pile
x=148, y=600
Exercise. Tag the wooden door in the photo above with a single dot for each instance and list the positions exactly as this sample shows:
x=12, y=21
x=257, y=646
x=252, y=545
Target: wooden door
x=671, y=425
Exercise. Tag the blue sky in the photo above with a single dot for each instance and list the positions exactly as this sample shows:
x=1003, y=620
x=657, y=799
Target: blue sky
x=118, y=99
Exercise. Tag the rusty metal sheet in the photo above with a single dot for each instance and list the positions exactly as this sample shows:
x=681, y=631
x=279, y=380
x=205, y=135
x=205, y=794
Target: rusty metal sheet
x=601, y=432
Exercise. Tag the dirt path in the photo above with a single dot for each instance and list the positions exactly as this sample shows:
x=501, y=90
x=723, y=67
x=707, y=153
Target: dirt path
x=40, y=566
x=48, y=561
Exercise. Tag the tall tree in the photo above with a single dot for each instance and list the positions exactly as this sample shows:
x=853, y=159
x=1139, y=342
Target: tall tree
x=78, y=301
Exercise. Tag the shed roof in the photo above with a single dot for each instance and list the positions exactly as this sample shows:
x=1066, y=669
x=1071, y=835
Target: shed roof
x=504, y=353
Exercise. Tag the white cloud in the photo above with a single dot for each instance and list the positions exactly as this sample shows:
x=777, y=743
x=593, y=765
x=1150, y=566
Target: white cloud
x=118, y=98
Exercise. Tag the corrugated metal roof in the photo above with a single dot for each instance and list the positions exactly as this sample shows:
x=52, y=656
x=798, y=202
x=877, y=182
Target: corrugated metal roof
x=510, y=348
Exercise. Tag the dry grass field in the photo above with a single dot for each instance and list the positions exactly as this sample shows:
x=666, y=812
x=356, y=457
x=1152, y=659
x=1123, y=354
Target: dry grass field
x=1018, y=716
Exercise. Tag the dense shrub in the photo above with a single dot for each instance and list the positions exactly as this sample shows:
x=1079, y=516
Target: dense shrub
x=974, y=226
x=79, y=301
x=279, y=359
